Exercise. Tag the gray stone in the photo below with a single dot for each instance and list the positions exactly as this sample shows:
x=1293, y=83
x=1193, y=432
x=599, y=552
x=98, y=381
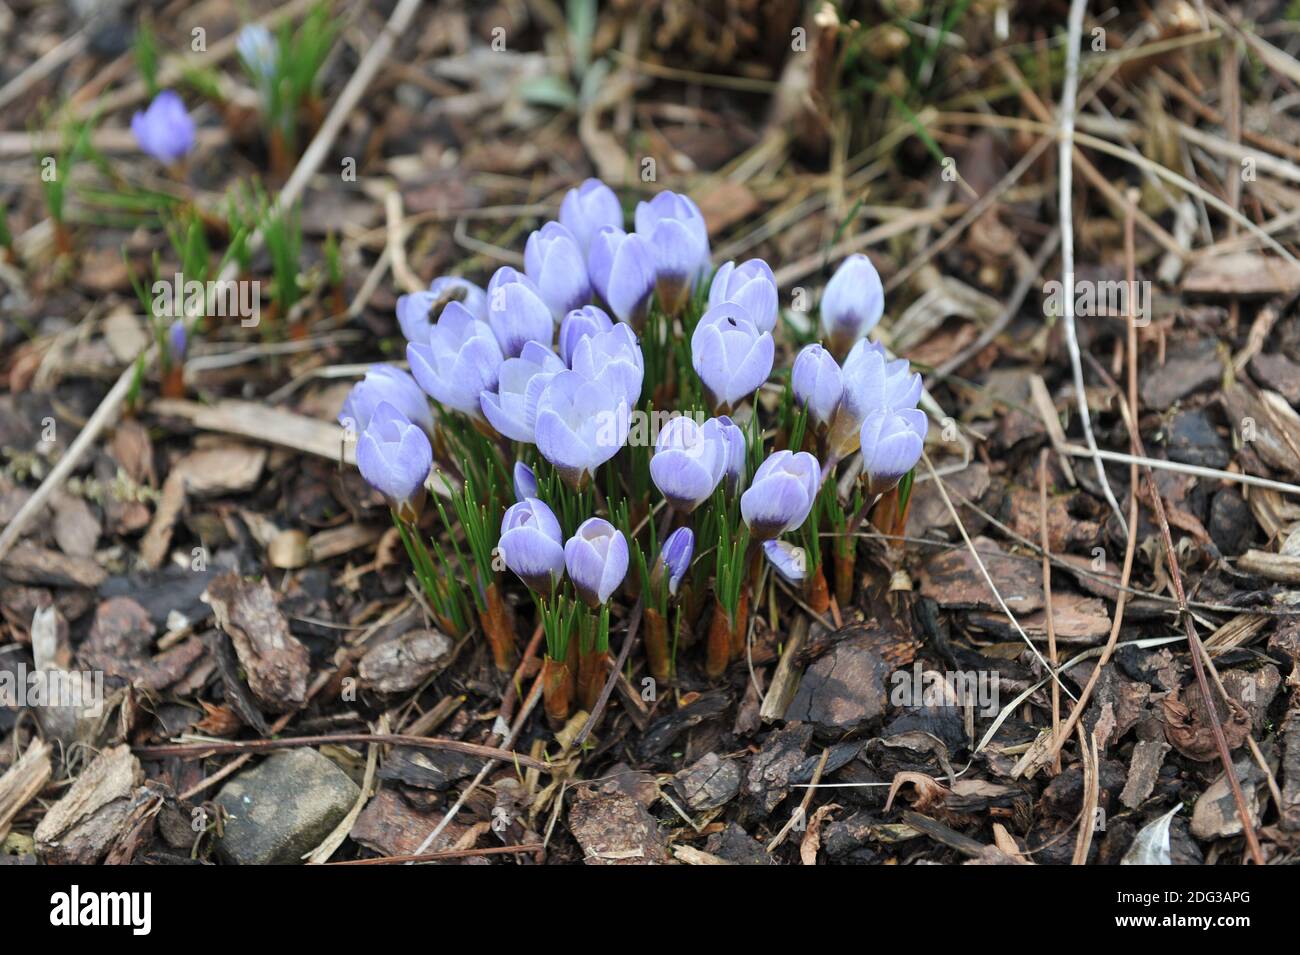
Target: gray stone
x=283, y=808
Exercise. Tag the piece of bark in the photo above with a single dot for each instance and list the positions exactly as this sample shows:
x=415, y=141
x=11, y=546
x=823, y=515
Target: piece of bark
x=615, y=829
x=30, y=564
x=1241, y=274
x=1143, y=771
x=275, y=663
x=403, y=664
x=80, y=827
x=22, y=782
x=76, y=528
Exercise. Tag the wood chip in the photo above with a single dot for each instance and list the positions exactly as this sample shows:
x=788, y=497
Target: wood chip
x=275, y=663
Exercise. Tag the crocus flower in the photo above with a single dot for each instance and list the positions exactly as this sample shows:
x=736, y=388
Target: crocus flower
x=613, y=357
x=581, y=424
x=532, y=544
x=517, y=312
x=891, y=445
x=512, y=408
x=853, y=302
x=782, y=495
x=459, y=362
x=818, y=383
x=394, y=456
x=676, y=556
x=556, y=264
x=733, y=439
x=871, y=382
x=164, y=130
x=622, y=269
x=525, y=481
x=417, y=311
x=596, y=558
x=587, y=209
x=789, y=561
x=752, y=286
x=579, y=324
x=674, y=227
x=386, y=383
x=258, y=50
x=177, y=342
x=731, y=356
x=688, y=462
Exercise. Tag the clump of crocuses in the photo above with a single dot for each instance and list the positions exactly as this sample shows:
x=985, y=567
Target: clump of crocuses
x=539, y=379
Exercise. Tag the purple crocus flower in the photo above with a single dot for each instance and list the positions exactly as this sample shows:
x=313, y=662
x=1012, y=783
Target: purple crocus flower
x=782, y=495
x=581, y=424
x=587, y=209
x=853, y=302
x=525, y=481
x=789, y=561
x=676, y=556
x=752, y=286
x=731, y=356
x=417, y=311
x=532, y=545
x=688, y=462
x=386, y=383
x=460, y=361
x=892, y=441
x=818, y=384
x=675, y=229
x=517, y=311
x=557, y=265
x=164, y=130
x=871, y=382
x=177, y=341
x=596, y=558
x=622, y=268
x=613, y=357
x=733, y=440
x=512, y=408
x=394, y=456
x=579, y=324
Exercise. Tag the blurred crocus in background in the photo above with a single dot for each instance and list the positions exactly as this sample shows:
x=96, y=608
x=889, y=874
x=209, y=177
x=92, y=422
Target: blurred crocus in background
x=818, y=384
x=394, y=456
x=589, y=207
x=532, y=545
x=679, y=239
x=516, y=311
x=580, y=425
x=556, y=264
x=596, y=557
x=579, y=324
x=688, y=463
x=852, y=304
x=460, y=361
x=892, y=441
x=524, y=481
x=782, y=494
x=177, y=342
x=731, y=356
x=752, y=286
x=418, y=311
x=386, y=383
x=622, y=268
x=614, y=358
x=164, y=129
x=258, y=51
x=512, y=408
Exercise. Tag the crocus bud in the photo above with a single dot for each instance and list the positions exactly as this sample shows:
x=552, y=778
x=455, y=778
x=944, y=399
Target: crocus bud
x=587, y=209
x=818, y=384
x=731, y=356
x=892, y=441
x=580, y=425
x=417, y=311
x=394, y=456
x=612, y=357
x=752, y=286
x=675, y=557
x=460, y=361
x=556, y=264
x=779, y=500
x=177, y=342
x=532, y=545
x=596, y=558
x=525, y=481
x=871, y=382
x=622, y=269
x=674, y=227
x=164, y=130
x=733, y=440
x=386, y=383
x=688, y=463
x=512, y=408
x=258, y=50
x=579, y=324
x=517, y=312
x=789, y=561
x=853, y=302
